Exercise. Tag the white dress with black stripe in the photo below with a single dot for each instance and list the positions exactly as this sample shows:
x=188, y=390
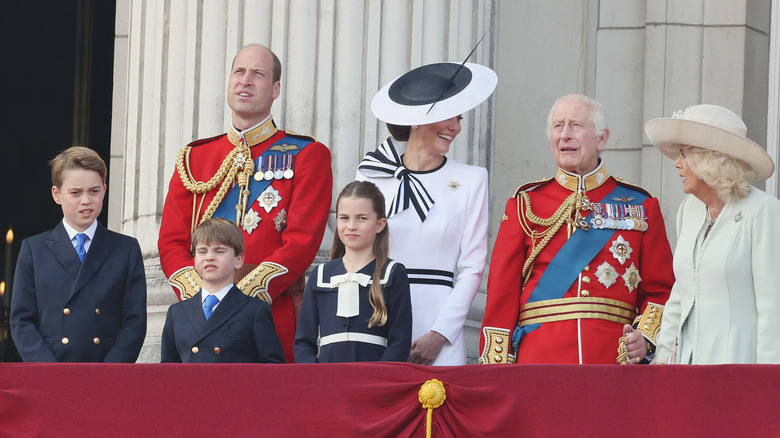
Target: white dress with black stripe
x=453, y=238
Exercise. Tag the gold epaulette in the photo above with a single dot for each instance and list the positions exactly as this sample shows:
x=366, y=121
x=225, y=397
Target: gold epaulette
x=633, y=186
x=530, y=186
x=187, y=281
x=303, y=136
x=255, y=284
x=497, y=346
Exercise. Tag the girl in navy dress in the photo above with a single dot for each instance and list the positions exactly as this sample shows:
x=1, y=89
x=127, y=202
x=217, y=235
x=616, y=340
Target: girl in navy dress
x=356, y=307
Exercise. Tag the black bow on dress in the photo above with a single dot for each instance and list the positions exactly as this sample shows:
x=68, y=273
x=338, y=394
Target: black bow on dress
x=385, y=162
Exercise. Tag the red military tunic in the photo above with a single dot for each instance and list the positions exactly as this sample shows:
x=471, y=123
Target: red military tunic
x=286, y=238
x=605, y=286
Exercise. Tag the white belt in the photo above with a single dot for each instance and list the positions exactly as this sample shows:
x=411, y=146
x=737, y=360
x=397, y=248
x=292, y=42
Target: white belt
x=353, y=336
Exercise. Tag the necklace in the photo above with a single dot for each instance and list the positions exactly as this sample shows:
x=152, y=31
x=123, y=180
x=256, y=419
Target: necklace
x=710, y=223
x=709, y=217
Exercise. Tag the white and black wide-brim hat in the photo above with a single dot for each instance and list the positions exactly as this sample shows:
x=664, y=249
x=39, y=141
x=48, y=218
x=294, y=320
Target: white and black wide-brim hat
x=709, y=127
x=407, y=99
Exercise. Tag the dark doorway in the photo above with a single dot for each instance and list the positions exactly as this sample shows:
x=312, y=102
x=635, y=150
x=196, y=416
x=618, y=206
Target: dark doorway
x=56, y=90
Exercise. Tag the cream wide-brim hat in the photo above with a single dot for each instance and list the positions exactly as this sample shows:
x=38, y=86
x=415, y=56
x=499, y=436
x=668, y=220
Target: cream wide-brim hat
x=409, y=99
x=709, y=127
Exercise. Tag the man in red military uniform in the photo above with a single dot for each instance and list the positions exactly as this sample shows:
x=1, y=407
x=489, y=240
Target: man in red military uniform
x=577, y=258
x=275, y=185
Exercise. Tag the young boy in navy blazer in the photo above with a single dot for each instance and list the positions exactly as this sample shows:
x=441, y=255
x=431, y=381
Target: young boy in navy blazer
x=220, y=324
x=79, y=290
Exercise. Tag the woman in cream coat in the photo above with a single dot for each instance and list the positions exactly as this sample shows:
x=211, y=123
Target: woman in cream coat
x=725, y=304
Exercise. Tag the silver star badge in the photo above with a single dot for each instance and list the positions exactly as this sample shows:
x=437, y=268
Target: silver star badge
x=269, y=199
x=239, y=159
x=606, y=274
x=631, y=277
x=620, y=249
x=251, y=220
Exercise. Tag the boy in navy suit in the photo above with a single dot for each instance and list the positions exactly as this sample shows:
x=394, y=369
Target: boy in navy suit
x=219, y=324
x=79, y=290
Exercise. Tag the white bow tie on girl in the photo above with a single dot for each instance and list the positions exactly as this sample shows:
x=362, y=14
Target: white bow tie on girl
x=349, y=292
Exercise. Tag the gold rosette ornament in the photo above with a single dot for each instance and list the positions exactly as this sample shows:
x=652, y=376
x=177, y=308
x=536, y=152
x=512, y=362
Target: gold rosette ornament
x=431, y=395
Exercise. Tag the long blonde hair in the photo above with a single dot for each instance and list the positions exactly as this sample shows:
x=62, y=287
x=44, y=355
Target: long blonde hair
x=367, y=190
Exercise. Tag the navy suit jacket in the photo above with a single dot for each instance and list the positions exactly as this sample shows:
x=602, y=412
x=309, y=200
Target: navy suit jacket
x=63, y=310
x=241, y=330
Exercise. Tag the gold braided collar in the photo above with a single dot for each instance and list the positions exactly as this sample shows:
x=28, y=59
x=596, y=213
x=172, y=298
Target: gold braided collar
x=254, y=135
x=593, y=179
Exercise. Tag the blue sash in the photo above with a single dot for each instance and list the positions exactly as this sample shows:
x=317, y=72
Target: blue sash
x=567, y=264
x=227, y=208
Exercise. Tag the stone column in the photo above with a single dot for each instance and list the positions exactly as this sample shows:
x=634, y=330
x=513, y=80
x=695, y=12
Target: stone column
x=709, y=51
x=773, y=94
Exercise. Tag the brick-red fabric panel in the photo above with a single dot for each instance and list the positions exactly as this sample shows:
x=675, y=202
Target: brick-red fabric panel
x=380, y=400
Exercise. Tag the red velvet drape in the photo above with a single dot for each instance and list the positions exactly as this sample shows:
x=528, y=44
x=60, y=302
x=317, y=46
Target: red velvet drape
x=379, y=400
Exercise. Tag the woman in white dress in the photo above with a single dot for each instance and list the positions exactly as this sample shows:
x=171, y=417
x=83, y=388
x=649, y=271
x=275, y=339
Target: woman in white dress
x=725, y=303
x=437, y=207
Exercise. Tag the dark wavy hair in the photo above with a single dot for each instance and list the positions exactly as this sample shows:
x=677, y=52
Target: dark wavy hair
x=399, y=132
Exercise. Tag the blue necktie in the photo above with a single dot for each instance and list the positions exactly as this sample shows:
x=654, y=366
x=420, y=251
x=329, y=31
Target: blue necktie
x=208, y=306
x=81, y=239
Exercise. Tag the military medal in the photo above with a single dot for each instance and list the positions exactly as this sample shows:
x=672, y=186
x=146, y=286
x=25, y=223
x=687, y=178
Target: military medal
x=606, y=274
x=269, y=174
x=597, y=222
x=631, y=277
x=288, y=172
x=269, y=199
x=619, y=217
x=259, y=174
x=251, y=220
x=621, y=250
x=278, y=172
x=639, y=224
